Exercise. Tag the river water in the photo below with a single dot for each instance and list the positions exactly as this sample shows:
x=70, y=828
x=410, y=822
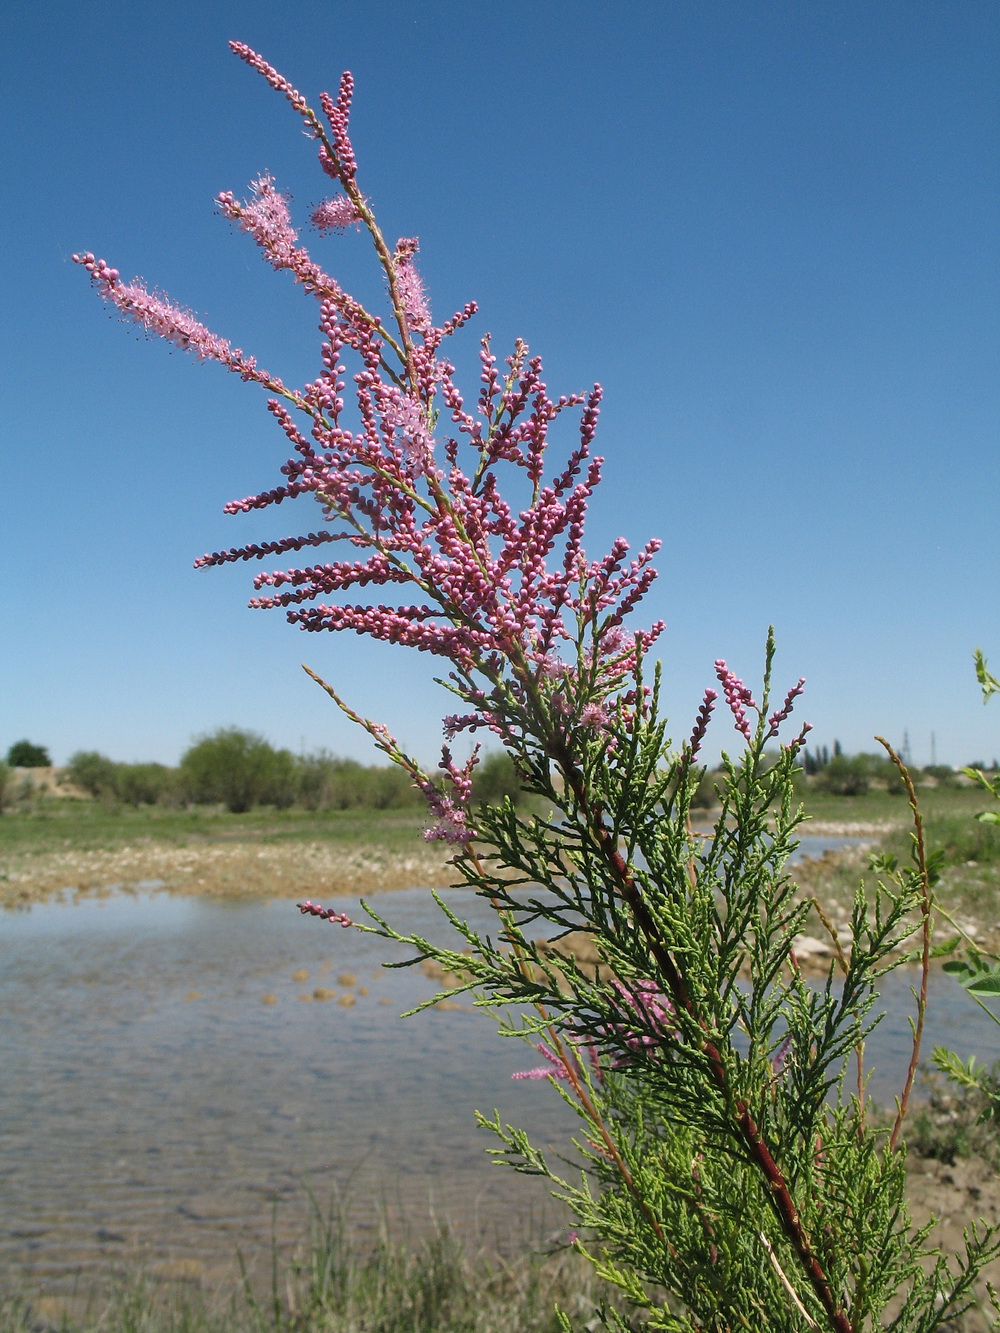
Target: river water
x=171, y=1089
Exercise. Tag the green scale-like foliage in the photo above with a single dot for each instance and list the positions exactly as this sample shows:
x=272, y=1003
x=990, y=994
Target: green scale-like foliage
x=668, y=1189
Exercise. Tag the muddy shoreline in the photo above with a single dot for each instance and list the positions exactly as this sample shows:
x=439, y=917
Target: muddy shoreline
x=256, y=869
x=248, y=870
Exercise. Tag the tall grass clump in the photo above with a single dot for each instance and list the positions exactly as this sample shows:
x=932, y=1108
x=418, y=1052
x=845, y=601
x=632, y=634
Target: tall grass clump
x=337, y=1284
x=726, y=1173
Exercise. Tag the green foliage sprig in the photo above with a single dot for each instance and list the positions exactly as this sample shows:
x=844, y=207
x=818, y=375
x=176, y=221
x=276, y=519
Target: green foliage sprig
x=727, y=1172
x=975, y=969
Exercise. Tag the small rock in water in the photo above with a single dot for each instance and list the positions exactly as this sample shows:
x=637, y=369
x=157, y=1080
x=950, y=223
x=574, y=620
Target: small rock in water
x=807, y=946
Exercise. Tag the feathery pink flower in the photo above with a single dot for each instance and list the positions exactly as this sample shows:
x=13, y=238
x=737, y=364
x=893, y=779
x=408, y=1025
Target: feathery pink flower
x=655, y=1010
x=555, y=1068
x=159, y=316
x=266, y=217
x=411, y=287
x=335, y=214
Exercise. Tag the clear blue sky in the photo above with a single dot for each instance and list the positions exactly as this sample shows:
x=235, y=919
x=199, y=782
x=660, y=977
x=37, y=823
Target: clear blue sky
x=769, y=230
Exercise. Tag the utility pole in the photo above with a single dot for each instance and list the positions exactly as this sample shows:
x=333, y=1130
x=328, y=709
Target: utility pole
x=906, y=748
x=933, y=751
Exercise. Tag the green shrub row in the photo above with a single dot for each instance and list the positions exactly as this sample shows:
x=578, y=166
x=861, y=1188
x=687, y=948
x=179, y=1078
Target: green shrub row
x=241, y=771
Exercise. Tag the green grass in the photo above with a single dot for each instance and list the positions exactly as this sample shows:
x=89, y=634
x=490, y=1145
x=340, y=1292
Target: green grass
x=439, y=1286
x=970, y=883
x=61, y=824
x=57, y=824
x=881, y=807
x=964, y=840
x=950, y=1124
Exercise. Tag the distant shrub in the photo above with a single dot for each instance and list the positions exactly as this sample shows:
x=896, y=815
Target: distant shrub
x=495, y=778
x=23, y=754
x=844, y=776
x=326, y=782
x=314, y=780
x=853, y=775
x=92, y=772
x=706, y=796
x=390, y=789
x=145, y=784
x=238, y=769
x=6, y=777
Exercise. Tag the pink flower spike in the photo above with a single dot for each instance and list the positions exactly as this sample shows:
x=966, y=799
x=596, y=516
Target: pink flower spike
x=411, y=288
x=556, y=1067
x=776, y=719
x=266, y=217
x=313, y=909
x=799, y=740
x=738, y=697
x=335, y=214
x=781, y=1055
x=277, y=81
x=701, y=722
x=155, y=313
x=651, y=1005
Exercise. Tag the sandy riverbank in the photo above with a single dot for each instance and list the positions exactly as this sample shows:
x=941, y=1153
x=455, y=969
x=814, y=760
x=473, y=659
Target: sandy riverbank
x=251, y=870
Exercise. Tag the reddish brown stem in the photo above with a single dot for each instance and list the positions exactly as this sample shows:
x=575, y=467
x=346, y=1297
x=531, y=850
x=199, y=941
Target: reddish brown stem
x=749, y=1132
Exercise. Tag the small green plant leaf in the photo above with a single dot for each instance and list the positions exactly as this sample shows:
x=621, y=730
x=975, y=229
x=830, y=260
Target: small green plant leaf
x=985, y=983
x=959, y=968
x=946, y=947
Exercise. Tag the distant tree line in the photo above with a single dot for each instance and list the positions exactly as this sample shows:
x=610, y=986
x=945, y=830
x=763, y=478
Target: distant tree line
x=242, y=771
x=843, y=774
x=840, y=774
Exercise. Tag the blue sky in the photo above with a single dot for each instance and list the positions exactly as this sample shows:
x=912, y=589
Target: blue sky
x=769, y=230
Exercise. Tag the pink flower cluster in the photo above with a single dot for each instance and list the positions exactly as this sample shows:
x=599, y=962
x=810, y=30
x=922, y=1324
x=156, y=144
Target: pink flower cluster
x=156, y=314
x=557, y=1066
x=450, y=806
x=654, y=1009
x=738, y=697
x=701, y=723
x=646, y=1000
x=784, y=712
x=419, y=482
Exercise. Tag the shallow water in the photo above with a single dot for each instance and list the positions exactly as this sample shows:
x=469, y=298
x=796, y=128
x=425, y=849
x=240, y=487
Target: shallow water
x=153, y=1104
